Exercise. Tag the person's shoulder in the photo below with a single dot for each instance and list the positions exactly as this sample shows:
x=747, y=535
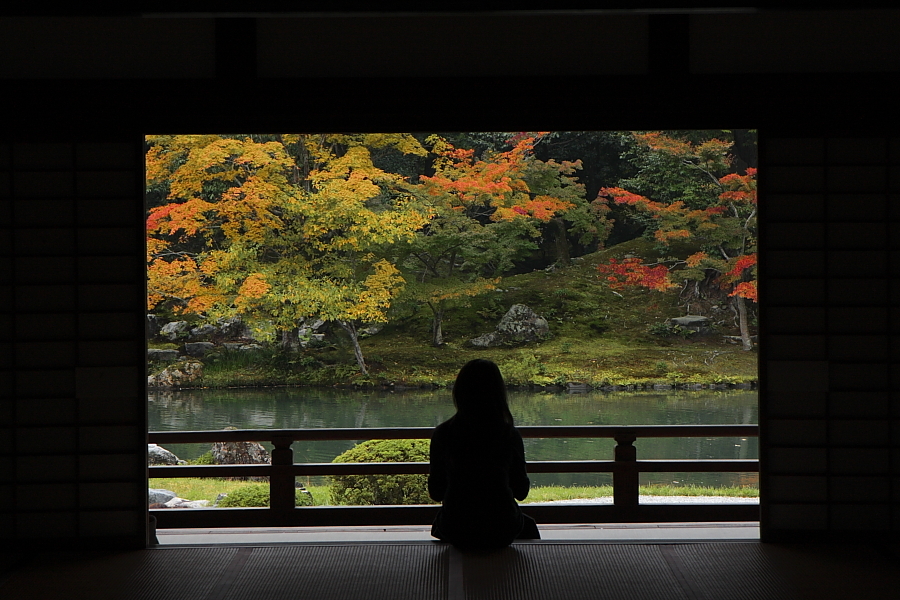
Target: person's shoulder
x=443, y=428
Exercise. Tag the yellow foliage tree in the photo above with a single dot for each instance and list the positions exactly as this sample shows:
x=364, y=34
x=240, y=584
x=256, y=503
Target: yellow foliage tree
x=278, y=228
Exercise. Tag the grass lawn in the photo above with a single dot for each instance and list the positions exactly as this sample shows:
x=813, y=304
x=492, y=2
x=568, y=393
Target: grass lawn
x=209, y=489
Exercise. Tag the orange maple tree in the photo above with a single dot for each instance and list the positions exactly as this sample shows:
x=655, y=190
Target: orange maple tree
x=501, y=187
x=489, y=211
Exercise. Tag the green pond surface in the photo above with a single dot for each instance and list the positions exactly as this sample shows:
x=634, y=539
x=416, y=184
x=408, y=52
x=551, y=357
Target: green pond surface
x=299, y=408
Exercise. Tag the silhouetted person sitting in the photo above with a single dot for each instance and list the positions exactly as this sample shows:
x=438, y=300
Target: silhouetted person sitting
x=478, y=466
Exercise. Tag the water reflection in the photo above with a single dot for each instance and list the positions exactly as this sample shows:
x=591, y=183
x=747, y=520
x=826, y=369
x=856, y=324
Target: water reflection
x=295, y=408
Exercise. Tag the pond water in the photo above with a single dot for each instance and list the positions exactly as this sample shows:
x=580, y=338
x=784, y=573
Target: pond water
x=299, y=407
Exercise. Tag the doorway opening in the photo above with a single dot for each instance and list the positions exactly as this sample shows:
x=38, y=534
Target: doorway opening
x=338, y=281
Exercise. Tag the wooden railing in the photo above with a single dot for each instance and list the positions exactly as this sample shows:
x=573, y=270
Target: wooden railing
x=282, y=471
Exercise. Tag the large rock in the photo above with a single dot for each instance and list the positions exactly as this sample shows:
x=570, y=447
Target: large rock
x=488, y=340
x=174, y=330
x=232, y=328
x=240, y=453
x=204, y=332
x=697, y=323
x=310, y=333
x=182, y=503
x=199, y=349
x=157, y=455
x=176, y=502
x=176, y=375
x=153, y=326
x=519, y=325
x=160, y=496
x=370, y=330
x=312, y=325
x=157, y=354
x=240, y=347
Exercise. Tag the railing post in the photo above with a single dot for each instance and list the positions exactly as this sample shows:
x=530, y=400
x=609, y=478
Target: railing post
x=625, y=476
x=281, y=481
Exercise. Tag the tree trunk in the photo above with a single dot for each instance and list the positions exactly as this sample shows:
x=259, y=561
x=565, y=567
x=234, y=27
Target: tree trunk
x=437, y=333
x=742, y=323
x=350, y=328
x=561, y=244
x=290, y=339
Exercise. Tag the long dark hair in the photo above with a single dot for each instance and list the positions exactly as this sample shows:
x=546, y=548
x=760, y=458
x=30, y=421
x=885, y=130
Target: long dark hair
x=479, y=395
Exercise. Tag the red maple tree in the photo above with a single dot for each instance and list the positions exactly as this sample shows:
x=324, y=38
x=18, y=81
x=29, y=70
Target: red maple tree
x=725, y=229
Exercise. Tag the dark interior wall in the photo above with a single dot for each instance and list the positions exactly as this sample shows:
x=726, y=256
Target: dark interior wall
x=830, y=336
x=83, y=91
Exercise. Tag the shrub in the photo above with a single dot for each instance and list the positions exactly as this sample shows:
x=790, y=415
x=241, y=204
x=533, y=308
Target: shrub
x=257, y=494
x=526, y=369
x=204, y=459
x=382, y=489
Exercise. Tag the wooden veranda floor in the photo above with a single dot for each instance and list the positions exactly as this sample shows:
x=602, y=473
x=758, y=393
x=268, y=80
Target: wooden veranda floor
x=545, y=570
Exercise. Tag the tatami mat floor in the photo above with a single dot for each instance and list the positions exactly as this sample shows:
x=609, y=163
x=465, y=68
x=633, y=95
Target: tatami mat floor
x=417, y=570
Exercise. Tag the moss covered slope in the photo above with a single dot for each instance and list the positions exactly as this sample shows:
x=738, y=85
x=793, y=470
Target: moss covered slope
x=599, y=338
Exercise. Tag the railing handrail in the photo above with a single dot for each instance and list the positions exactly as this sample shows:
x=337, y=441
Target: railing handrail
x=282, y=472
x=372, y=433
x=714, y=465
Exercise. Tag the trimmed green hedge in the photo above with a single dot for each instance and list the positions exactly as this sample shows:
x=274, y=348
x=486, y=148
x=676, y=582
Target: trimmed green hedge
x=361, y=490
x=258, y=495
